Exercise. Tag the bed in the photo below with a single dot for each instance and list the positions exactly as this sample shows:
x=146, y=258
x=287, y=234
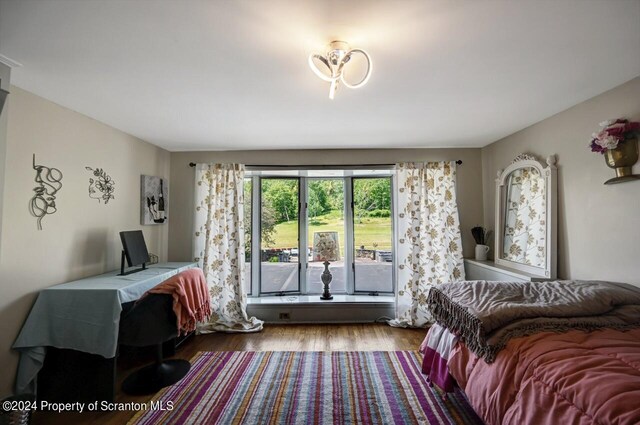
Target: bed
x=564, y=352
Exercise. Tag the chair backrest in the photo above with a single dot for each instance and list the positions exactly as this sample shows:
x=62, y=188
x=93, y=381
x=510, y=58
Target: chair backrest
x=149, y=321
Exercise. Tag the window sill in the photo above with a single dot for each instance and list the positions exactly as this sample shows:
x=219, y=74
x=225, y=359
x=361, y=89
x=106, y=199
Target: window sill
x=311, y=309
x=315, y=299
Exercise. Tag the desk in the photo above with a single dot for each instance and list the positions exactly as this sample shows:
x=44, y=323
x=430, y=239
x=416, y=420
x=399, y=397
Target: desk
x=83, y=315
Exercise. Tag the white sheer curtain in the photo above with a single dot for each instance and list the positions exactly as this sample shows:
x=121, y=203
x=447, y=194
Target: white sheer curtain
x=218, y=245
x=429, y=248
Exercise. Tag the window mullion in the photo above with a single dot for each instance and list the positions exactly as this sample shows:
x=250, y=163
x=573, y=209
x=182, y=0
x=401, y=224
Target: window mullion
x=349, y=242
x=394, y=237
x=303, y=258
x=256, y=235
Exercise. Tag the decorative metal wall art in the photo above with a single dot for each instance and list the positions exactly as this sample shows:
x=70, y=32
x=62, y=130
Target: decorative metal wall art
x=101, y=187
x=49, y=182
x=154, y=203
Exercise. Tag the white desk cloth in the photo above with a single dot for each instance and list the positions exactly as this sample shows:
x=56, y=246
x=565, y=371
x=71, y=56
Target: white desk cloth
x=82, y=315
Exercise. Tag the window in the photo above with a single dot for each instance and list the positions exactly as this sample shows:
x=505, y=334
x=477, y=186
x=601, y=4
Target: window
x=279, y=235
x=290, y=209
x=325, y=213
x=372, y=234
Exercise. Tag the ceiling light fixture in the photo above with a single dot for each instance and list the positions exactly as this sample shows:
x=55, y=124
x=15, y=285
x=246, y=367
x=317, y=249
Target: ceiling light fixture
x=337, y=56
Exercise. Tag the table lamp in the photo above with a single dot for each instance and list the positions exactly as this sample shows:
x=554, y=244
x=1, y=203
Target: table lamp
x=326, y=248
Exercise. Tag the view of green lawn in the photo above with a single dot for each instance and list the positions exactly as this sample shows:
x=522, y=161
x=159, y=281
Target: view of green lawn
x=368, y=230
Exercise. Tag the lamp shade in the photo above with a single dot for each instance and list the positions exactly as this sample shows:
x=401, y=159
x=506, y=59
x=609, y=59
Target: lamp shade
x=326, y=246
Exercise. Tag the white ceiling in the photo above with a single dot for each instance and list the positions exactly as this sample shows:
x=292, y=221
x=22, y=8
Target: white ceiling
x=219, y=75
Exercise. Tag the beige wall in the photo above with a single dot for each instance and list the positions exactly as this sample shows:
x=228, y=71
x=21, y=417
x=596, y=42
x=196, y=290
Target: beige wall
x=469, y=181
x=598, y=225
x=5, y=76
x=81, y=239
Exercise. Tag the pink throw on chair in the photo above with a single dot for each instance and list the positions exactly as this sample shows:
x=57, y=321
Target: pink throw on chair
x=190, y=298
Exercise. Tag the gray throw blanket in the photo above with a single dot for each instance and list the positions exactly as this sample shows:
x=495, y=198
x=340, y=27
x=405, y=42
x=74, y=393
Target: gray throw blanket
x=485, y=314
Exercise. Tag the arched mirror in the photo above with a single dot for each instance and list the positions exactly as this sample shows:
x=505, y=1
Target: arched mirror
x=526, y=216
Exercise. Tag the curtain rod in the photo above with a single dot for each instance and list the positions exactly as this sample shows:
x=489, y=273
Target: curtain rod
x=193, y=164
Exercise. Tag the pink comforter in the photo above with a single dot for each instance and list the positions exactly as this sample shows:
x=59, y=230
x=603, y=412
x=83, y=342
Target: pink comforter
x=547, y=378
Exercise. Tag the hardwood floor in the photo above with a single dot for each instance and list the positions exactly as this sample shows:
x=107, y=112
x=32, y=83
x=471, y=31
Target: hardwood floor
x=340, y=337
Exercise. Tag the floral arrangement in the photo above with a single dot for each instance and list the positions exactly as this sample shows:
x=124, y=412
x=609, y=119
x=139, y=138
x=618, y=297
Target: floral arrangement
x=612, y=133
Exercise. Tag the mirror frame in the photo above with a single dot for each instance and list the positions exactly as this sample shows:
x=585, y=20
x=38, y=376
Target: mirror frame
x=549, y=174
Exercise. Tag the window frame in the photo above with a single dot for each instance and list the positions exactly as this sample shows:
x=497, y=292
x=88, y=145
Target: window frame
x=348, y=211
x=259, y=253
x=393, y=236
x=347, y=242
x=251, y=202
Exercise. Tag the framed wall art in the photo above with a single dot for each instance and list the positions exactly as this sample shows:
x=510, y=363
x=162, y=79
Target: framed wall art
x=154, y=200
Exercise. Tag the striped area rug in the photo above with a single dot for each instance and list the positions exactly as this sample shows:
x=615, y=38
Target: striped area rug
x=281, y=387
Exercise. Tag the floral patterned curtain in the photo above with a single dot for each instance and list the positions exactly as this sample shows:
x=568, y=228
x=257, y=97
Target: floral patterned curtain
x=525, y=227
x=219, y=246
x=429, y=248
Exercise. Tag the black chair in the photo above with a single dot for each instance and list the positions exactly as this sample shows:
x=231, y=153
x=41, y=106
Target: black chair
x=151, y=321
